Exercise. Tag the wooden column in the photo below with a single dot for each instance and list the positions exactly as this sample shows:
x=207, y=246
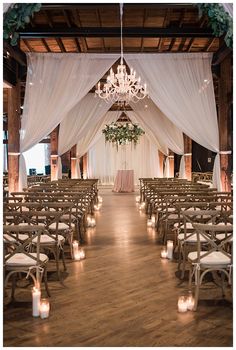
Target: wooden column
x=188, y=157
x=13, y=137
x=65, y=161
x=54, y=153
x=85, y=162
x=225, y=100
x=73, y=161
x=161, y=162
x=171, y=164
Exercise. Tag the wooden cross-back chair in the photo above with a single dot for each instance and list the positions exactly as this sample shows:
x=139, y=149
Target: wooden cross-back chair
x=186, y=235
x=18, y=257
x=215, y=258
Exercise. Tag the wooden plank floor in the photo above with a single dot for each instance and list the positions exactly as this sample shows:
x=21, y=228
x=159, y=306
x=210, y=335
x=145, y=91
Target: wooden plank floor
x=123, y=294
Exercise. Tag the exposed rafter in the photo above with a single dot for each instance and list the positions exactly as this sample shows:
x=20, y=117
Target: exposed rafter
x=135, y=32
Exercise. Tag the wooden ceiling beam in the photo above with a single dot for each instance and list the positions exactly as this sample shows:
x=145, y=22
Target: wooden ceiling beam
x=67, y=18
x=135, y=32
x=172, y=44
x=59, y=6
x=49, y=20
x=181, y=20
x=46, y=45
x=209, y=44
x=27, y=44
x=190, y=45
x=60, y=44
x=182, y=43
x=83, y=43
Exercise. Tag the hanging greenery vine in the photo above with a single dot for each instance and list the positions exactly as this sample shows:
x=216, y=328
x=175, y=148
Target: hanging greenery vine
x=17, y=17
x=122, y=134
x=220, y=21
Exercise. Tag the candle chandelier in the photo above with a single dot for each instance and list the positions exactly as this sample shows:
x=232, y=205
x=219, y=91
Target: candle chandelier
x=124, y=85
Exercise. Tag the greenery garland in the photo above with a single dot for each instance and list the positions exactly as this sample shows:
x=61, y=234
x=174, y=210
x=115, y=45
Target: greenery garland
x=16, y=17
x=220, y=21
x=121, y=134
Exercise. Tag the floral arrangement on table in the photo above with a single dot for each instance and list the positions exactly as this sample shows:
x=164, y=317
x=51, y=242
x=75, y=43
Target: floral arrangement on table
x=16, y=17
x=122, y=133
x=219, y=19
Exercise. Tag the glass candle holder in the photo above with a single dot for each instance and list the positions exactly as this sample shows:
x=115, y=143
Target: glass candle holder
x=44, y=308
x=75, y=247
x=182, y=304
x=82, y=254
x=190, y=301
x=164, y=253
x=92, y=222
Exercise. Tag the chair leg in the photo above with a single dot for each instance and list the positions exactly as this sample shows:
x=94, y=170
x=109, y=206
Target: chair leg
x=57, y=263
x=197, y=287
x=45, y=278
x=183, y=261
x=223, y=283
x=63, y=259
x=13, y=287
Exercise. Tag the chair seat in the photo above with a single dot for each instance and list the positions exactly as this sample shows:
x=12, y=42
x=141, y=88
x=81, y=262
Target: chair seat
x=20, y=259
x=189, y=225
x=214, y=258
x=25, y=223
x=45, y=239
x=192, y=238
x=222, y=236
x=172, y=217
x=7, y=238
x=61, y=226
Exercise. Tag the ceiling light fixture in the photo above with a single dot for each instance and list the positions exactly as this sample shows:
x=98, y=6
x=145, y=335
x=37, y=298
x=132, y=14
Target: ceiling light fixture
x=122, y=86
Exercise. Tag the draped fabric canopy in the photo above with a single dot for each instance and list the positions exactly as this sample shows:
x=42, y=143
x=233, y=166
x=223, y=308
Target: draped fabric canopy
x=55, y=84
x=180, y=87
x=79, y=121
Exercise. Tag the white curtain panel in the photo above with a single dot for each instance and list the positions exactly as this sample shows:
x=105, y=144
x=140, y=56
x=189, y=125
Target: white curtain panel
x=95, y=133
x=181, y=85
x=228, y=8
x=168, y=135
x=86, y=114
x=105, y=160
x=91, y=135
x=166, y=167
x=151, y=138
x=55, y=84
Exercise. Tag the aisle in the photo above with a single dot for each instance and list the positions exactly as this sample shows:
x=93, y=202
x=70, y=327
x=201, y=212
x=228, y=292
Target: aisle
x=123, y=294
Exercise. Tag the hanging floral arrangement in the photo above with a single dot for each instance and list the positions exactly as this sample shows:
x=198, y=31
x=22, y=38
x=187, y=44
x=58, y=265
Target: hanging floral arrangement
x=122, y=133
x=219, y=20
x=16, y=17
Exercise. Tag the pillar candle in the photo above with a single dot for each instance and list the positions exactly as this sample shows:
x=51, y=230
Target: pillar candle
x=36, y=296
x=170, y=247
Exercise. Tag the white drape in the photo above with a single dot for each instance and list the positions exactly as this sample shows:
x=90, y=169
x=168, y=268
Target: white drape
x=104, y=160
x=84, y=116
x=181, y=85
x=228, y=8
x=153, y=120
x=95, y=132
x=166, y=167
x=55, y=84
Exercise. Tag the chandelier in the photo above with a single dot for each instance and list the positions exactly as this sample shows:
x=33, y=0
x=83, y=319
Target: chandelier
x=124, y=85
